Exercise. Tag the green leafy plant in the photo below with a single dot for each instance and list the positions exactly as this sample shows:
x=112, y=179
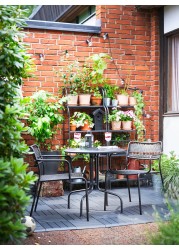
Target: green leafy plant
x=115, y=115
x=80, y=118
x=84, y=80
x=170, y=171
x=15, y=64
x=168, y=232
x=138, y=110
x=71, y=77
x=43, y=116
x=110, y=90
x=99, y=64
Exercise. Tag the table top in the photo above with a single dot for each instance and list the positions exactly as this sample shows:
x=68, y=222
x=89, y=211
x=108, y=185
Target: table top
x=98, y=150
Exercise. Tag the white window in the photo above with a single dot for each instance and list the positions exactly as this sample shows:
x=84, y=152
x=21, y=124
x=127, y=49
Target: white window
x=173, y=74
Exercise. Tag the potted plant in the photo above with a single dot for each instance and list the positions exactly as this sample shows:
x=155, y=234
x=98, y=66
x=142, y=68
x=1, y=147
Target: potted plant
x=109, y=94
x=70, y=79
x=123, y=97
x=43, y=117
x=115, y=118
x=127, y=117
x=97, y=65
x=96, y=97
x=83, y=120
x=84, y=85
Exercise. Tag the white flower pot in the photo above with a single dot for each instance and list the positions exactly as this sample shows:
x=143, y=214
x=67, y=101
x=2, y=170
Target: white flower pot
x=72, y=100
x=123, y=100
x=84, y=99
x=126, y=125
x=116, y=125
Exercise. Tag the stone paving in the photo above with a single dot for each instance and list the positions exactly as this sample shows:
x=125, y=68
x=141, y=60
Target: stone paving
x=52, y=212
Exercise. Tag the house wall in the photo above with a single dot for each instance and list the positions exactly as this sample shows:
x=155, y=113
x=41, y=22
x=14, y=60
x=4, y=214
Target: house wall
x=170, y=123
x=133, y=44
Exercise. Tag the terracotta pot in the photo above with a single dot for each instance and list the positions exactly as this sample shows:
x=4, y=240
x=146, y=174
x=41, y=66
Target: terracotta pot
x=72, y=100
x=85, y=127
x=132, y=101
x=84, y=99
x=126, y=125
x=123, y=100
x=96, y=100
x=134, y=165
x=72, y=127
x=119, y=176
x=116, y=125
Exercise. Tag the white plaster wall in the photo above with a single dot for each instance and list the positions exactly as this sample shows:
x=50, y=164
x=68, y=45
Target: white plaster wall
x=171, y=18
x=171, y=135
x=171, y=124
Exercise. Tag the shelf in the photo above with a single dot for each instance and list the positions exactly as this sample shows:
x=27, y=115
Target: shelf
x=85, y=131
x=87, y=106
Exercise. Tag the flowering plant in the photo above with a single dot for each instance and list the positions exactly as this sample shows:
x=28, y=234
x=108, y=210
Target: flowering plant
x=81, y=118
x=115, y=115
x=128, y=115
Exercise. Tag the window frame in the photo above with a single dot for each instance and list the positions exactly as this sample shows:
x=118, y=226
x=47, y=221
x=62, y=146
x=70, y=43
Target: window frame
x=165, y=66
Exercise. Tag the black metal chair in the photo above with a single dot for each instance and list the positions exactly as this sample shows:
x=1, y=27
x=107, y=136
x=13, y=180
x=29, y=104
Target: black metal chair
x=47, y=174
x=144, y=152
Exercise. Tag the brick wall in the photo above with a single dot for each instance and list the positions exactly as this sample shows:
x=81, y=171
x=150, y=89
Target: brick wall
x=133, y=44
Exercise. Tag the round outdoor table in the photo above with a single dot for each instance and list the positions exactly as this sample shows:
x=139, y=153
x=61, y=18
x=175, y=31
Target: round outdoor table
x=94, y=154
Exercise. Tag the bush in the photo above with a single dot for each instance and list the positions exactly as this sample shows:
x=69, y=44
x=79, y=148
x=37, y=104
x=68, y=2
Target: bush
x=15, y=182
x=168, y=232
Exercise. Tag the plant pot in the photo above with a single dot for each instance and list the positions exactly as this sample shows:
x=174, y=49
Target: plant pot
x=119, y=177
x=116, y=125
x=106, y=101
x=78, y=171
x=134, y=165
x=123, y=100
x=114, y=102
x=73, y=127
x=126, y=125
x=84, y=99
x=157, y=182
x=85, y=127
x=132, y=101
x=96, y=100
x=72, y=100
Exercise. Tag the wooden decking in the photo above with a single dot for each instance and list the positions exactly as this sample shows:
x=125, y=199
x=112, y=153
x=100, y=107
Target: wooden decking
x=52, y=213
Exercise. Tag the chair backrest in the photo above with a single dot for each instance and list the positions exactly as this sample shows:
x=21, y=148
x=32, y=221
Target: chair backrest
x=37, y=155
x=144, y=150
x=50, y=162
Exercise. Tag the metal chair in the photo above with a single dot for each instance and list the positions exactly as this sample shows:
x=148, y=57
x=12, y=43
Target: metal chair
x=142, y=152
x=47, y=174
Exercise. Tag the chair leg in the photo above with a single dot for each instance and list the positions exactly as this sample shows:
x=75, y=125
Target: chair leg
x=81, y=203
x=139, y=194
x=34, y=198
x=128, y=186
x=37, y=196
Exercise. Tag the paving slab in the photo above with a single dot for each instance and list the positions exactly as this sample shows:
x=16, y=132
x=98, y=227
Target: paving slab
x=52, y=212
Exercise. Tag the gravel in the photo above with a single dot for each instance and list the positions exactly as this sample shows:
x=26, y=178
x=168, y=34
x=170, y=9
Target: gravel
x=124, y=235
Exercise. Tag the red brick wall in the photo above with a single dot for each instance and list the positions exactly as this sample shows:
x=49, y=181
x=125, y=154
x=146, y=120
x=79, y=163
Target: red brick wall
x=133, y=42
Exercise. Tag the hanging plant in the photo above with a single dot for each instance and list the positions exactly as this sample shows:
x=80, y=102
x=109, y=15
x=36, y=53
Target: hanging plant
x=138, y=110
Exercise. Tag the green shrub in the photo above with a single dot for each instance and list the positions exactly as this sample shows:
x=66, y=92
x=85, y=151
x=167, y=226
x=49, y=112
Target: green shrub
x=15, y=64
x=14, y=186
x=168, y=232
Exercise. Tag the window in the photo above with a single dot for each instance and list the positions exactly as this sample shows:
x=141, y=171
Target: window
x=173, y=74
x=87, y=16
